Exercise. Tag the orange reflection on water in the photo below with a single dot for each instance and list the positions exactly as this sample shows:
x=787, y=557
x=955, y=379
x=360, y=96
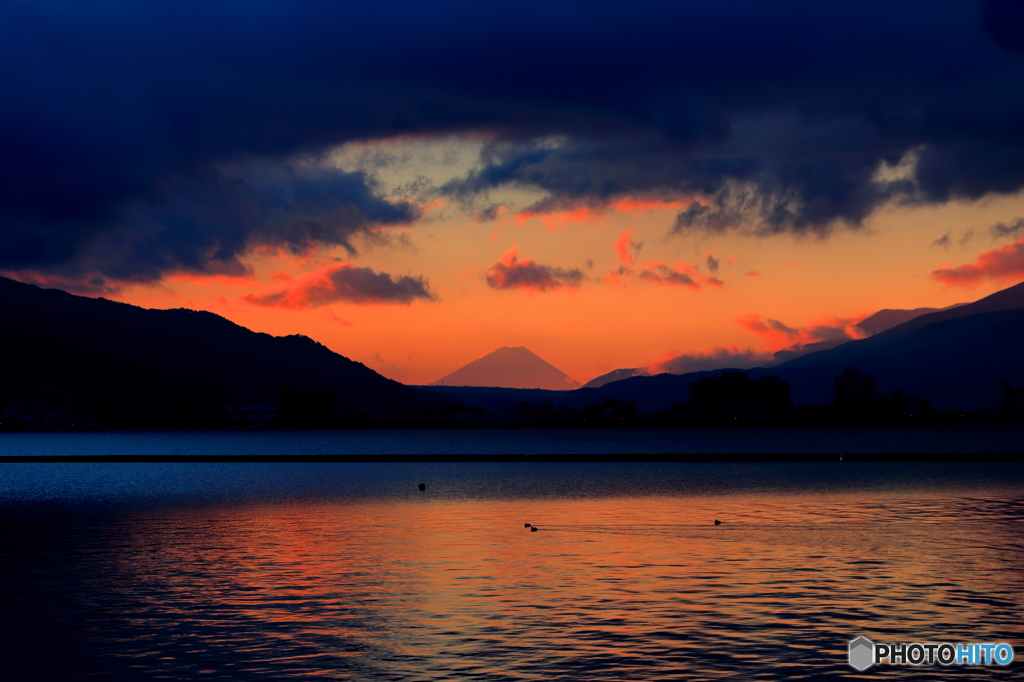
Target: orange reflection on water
x=624, y=586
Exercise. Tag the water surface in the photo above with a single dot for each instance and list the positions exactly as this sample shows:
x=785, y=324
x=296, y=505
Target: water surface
x=679, y=440
x=347, y=572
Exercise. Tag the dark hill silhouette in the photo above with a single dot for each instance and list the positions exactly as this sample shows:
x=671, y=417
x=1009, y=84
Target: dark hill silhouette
x=890, y=317
x=955, y=363
x=122, y=359
x=648, y=392
x=510, y=367
x=954, y=357
x=1007, y=299
x=615, y=375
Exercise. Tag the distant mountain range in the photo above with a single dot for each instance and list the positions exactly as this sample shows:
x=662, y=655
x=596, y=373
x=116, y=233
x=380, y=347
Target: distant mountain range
x=510, y=367
x=873, y=324
x=954, y=357
x=889, y=318
x=117, y=359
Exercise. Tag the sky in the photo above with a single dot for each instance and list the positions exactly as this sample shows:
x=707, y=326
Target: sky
x=662, y=185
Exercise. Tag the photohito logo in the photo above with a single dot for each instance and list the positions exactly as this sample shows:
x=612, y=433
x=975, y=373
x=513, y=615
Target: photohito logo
x=864, y=653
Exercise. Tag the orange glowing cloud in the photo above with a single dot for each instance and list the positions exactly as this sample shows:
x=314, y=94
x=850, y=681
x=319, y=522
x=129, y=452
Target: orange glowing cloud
x=345, y=283
x=634, y=205
x=623, y=246
x=245, y=279
x=554, y=221
x=555, y=218
x=1006, y=262
x=512, y=273
x=778, y=335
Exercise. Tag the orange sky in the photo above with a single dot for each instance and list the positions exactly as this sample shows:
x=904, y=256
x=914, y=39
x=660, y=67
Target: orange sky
x=611, y=287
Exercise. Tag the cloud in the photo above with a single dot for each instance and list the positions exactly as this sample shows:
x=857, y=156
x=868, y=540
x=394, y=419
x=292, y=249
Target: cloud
x=752, y=273
x=347, y=284
x=512, y=273
x=1004, y=263
x=682, y=274
x=121, y=149
x=713, y=264
x=663, y=274
x=205, y=226
x=1004, y=230
x=787, y=342
x=942, y=241
x=675, y=362
x=627, y=249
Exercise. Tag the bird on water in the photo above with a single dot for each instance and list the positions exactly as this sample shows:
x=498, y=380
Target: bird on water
x=533, y=529
x=717, y=522
x=526, y=525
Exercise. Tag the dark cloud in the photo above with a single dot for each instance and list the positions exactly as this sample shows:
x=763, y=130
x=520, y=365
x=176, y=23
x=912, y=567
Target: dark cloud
x=348, y=284
x=512, y=273
x=716, y=358
x=1004, y=230
x=662, y=274
x=713, y=264
x=204, y=224
x=119, y=118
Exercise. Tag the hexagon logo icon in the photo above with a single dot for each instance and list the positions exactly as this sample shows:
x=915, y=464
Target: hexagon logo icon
x=862, y=653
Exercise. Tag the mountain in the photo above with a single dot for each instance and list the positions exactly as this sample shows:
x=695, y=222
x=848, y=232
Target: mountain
x=118, y=359
x=615, y=375
x=873, y=324
x=953, y=357
x=510, y=367
x=1007, y=299
x=889, y=318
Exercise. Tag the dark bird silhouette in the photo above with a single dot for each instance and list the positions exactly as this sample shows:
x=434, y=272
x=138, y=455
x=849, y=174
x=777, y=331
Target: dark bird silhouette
x=423, y=486
x=526, y=525
x=533, y=529
x=717, y=522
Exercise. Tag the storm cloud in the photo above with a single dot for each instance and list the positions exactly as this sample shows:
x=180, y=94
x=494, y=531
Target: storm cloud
x=134, y=137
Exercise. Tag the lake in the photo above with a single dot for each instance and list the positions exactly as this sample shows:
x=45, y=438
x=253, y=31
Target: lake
x=681, y=440
x=346, y=571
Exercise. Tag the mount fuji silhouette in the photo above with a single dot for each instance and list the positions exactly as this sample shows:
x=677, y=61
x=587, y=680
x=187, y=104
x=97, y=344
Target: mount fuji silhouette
x=510, y=367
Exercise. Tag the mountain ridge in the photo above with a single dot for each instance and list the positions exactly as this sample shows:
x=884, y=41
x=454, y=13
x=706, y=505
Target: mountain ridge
x=115, y=356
